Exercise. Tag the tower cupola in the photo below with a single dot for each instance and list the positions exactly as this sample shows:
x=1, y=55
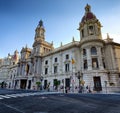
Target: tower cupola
x=89, y=27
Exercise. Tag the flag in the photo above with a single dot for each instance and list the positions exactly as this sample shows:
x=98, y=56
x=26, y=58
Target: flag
x=73, y=61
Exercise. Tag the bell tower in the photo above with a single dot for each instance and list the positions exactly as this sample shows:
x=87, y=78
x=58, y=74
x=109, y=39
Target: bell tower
x=89, y=27
x=40, y=46
x=39, y=32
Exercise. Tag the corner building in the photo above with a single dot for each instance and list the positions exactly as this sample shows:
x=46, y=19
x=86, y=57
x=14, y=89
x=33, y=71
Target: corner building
x=91, y=62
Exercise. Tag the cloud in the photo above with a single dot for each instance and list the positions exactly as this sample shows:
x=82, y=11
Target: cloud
x=115, y=37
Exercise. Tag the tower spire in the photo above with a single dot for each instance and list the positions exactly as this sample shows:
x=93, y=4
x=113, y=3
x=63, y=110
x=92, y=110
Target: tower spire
x=40, y=23
x=39, y=32
x=88, y=8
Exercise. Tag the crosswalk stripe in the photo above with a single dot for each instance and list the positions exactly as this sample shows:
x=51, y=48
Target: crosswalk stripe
x=4, y=96
x=24, y=94
x=1, y=98
x=11, y=95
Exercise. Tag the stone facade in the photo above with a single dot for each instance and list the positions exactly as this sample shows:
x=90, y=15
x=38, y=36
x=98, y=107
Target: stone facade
x=91, y=63
x=8, y=69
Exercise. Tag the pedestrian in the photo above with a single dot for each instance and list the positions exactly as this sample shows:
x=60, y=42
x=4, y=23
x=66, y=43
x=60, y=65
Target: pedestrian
x=87, y=89
x=65, y=89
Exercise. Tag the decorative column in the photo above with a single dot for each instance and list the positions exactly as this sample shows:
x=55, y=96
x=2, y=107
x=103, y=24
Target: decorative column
x=100, y=62
x=22, y=69
x=89, y=61
x=38, y=66
x=61, y=63
x=17, y=69
x=81, y=61
x=35, y=65
x=27, y=84
x=19, y=84
x=50, y=70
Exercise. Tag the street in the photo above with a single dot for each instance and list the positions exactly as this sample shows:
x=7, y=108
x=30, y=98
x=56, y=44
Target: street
x=52, y=102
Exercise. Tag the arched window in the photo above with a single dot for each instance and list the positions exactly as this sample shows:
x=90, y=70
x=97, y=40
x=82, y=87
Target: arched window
x=91, y=30
x=93, y=51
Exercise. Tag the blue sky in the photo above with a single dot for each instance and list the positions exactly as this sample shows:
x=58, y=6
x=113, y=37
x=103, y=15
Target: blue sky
x=19, y=18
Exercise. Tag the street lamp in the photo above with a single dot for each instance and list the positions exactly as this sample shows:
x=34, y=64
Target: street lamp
x=79, y=74
x=41, y=79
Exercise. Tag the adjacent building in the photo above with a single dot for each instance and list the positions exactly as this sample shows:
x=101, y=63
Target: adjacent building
x=8, y=70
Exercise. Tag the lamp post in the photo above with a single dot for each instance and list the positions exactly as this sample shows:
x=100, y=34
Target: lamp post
x=78, y=74
x=41, y=79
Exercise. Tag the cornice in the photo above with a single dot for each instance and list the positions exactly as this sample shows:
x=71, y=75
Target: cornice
x=62, y=48
x=112, y=43
x=91, y=40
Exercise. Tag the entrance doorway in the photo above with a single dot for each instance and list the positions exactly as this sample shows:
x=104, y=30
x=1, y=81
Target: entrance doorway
x=67, y=83
x=29, y=84
x=23, y=84
x=97, y=84
x=45, y=84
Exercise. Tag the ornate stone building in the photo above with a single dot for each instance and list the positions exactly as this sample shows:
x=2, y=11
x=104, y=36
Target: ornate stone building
x=91, y=62
x=8, y=69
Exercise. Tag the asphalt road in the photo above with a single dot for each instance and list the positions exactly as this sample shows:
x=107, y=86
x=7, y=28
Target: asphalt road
x=38, y=102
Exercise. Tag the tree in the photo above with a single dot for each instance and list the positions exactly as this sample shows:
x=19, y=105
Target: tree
x=38, y=84
x=56, y=83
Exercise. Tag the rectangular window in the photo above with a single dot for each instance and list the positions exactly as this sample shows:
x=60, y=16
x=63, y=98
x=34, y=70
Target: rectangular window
x=46, y=71
x=55, y=59
x=55, y=69
x=85, y=64
x=67, y=56
x=66, y=67
x=46, y=62
x=82, y=33
x=103, y=63
x=84, y=52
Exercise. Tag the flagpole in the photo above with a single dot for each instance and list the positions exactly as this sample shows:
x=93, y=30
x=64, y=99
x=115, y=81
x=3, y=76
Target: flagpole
x=72, y=78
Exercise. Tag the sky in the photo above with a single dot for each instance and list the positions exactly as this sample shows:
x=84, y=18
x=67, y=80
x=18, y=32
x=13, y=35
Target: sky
x=19, y=19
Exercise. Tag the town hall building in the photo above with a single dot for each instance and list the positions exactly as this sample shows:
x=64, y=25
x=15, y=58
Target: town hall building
x=91, y=63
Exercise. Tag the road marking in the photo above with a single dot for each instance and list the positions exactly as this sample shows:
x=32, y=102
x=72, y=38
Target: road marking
x=16, y=109
x=4, y=96
x=1, y=98
x=11, y=96
x=7, y=96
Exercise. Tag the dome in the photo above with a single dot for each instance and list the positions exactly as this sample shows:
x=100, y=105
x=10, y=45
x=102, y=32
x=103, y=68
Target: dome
x=88, y=14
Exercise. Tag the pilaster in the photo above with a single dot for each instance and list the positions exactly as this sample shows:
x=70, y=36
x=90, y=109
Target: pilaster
x=100, y=58
x=89, y=62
